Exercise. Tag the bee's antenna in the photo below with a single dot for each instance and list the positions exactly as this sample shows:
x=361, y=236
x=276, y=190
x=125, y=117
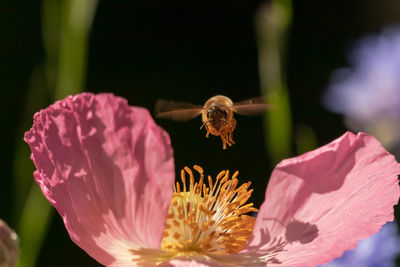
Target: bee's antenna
x=204, y=124
x=228, y=123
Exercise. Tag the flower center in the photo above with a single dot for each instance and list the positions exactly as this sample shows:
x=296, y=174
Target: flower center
x=208, y=219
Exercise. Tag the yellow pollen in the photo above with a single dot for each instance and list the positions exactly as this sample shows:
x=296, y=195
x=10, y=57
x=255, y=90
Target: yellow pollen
x=208, y=219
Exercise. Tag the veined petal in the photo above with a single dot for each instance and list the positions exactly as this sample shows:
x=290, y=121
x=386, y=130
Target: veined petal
x=108, y=170
x=191, y=262
x=321, y=203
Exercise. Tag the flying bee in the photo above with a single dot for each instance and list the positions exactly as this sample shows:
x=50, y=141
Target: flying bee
x=216, y=114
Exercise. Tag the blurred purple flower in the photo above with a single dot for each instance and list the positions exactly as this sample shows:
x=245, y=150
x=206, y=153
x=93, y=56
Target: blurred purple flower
x=379, y=250
x=368, y=92
x=9, y=250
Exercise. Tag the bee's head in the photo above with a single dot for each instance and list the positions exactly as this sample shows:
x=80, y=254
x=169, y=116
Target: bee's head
x=217, y=115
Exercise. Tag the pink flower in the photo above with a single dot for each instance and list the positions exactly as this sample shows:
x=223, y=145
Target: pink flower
x=9, y=250
x=108, y=169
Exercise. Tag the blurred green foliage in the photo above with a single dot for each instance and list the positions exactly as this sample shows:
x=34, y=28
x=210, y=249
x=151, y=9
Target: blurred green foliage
x=305, y=139
x=65, y=26
x=272, y=23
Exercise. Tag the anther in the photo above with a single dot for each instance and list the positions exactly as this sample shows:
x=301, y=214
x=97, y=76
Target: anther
x=208, y=219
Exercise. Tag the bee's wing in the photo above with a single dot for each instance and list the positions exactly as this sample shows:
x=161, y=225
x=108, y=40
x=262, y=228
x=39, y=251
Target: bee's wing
x=176, y=111
x=252, y=106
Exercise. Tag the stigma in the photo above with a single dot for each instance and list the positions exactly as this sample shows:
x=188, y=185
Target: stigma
x=208, y=217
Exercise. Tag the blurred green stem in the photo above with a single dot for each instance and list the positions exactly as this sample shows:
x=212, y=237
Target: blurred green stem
x=305, y=139
x=65, y=25
x=272, y=24
x=76, y=21
x=33, y=226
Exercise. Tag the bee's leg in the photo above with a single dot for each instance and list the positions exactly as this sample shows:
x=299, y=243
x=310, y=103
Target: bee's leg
x=230, y=137
x=208, y=131
x=224, y=139
x=227, y=138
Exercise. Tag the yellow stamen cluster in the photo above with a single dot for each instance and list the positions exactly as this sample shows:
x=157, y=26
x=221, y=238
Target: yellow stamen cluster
x=208, y=219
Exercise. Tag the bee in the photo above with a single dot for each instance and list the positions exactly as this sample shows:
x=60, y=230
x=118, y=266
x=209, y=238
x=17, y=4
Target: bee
x=216, y=114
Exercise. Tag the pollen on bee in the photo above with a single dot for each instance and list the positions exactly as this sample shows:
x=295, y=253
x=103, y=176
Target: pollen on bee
x=208, y=219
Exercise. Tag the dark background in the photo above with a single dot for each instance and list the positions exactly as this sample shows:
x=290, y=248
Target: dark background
x=186, y=51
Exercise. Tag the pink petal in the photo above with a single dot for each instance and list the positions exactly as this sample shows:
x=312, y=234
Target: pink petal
x=191, y=262
x=108, y=170
x=321, y=203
